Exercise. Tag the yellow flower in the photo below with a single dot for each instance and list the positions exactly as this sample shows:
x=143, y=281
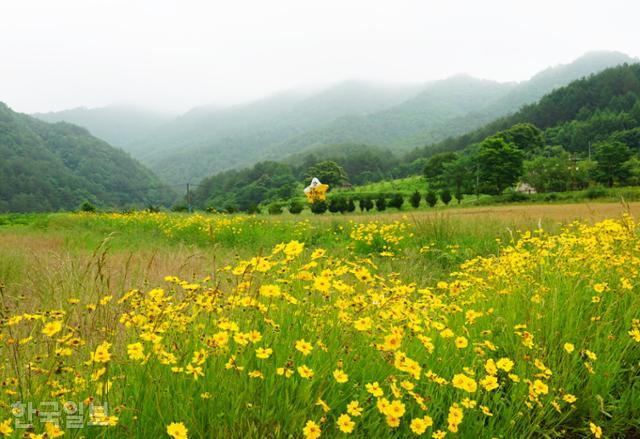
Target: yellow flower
x=195, y=372
x=270, y=291
x=569, y=398
x=311, y=430
x=461, y=342
x=264, y=353
x=5, y=428
x=489, y=382
x=53, y=430
x=52, y=328
x=374, y=389
x=345, y=424
x=463, y=382
x=505, y=364
x=363, y=324
x=420, y=425
x=177, y=430
x=569, y=347
x=304, y=346
x=305, y=372
x=340, y=376
x=102, y=354
x=597, y=431
x=354, y=409
x=135, y=351
x=539, y=388
x=601, y=287
x=396, y=409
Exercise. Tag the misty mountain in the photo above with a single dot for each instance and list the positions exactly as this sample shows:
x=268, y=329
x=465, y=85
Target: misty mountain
x=208, y=140
x=450, y=107
x=45, y=167
x=118, y=125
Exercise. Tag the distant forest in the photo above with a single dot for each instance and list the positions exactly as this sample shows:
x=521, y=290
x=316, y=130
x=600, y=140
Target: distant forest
x=585, y=133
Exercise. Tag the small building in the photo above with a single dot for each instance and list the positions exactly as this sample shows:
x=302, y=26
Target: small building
x=525, y=188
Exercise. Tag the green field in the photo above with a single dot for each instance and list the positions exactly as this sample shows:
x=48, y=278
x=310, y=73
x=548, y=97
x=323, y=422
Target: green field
x=488, y=322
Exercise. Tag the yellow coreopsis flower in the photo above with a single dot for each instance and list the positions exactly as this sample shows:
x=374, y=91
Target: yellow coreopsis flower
x=311, y=430
x=177, y=430
x=52, y=328
x=345, y=424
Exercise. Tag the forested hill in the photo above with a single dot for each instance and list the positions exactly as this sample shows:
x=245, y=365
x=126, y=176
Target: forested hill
x=118, y=125
x=48, y=167
x=582, y=112
x=591, y=126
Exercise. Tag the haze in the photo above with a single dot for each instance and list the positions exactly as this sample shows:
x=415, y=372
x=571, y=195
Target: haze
x=173, y=55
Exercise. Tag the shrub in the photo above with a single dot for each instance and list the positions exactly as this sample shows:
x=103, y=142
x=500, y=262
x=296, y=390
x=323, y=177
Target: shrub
x=274, y=209
x=319, y=207
x=415, y=199
x=230, y=208
x=381, y=203
x=431, y=198
x=334, y=205
x=397, y=200
x=445, y=196
x=295, y=207
x=87, y=206
x=253, y=209
x=595, y=192
x=459, y=196
x=351, y=205
x=366, y=204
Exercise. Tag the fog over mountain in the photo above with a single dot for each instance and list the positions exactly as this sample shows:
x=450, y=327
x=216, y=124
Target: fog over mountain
x=211, y=138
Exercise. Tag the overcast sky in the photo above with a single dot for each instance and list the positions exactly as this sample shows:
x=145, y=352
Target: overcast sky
x=175, y=54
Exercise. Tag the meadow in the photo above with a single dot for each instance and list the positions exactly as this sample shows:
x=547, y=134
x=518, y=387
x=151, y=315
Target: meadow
x=509, y=322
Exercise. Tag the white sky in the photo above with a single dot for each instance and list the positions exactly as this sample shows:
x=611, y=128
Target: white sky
x=175, y=54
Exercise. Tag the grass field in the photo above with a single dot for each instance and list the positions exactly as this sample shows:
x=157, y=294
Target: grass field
x=501, y=322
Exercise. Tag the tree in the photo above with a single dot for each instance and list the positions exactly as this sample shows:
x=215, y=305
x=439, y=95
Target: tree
x=431, y=198
x=334, y=205
x=397, y=200
x=551, y=172
x=328, y=172
x=524, y=136
x=366, y=203
x=434, y=169
x=381, y=203
x=319, y=207
x=351, y=205
x=610, y=157
x=295, y=207
x=274, y=209
x=500, y=164
x=415, y=199
x=459, y=174
x=87, y=206
x=458, y=194
x=445, y=196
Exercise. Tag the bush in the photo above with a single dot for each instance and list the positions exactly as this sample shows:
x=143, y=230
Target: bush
x=459, y=196
x=179, y=208
x=319, y=207
x=366, y=204
x=415, y=199
x=431, y=198
x=253, y=209
x=595, y=192
x=397, y=200
x=87, y=206
x=334, y=205
x=381, y=203
x=445, y=196
x=295, y=207
x=230, y=208
x=275, y=209
x=351, y=205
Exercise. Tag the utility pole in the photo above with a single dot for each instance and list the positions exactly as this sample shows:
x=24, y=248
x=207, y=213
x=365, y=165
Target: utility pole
x=189, y=197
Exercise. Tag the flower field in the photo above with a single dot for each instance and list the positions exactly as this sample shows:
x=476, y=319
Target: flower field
x=304, y=329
